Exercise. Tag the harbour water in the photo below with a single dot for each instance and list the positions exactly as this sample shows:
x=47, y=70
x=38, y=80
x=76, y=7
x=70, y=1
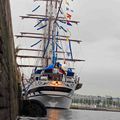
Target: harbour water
x=75, y=114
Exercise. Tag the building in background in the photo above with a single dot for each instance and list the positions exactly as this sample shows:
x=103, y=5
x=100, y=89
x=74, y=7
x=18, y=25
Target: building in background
x=95, y=102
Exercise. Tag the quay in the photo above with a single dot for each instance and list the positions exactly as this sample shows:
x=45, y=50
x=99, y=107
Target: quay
x=9, y=74
x=95, y=109
x=11, y=101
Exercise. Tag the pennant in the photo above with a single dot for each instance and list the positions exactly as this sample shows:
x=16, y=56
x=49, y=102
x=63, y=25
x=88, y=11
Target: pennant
x=36, y=43
x=62, y=21
x=58, y=46
x=67, y=38
x=68, y=23
x=61, y=71
x=69, y=31
x=36, y=8
x=41, y=27
x=58, y=25
x=61, y=11
x=76, y=23
x=63, y=28
x=69, y=16
x=67, y=44
x=70, y=49
x=68, y=53
x=67, y=3
x=45, y=19
x=67, y=8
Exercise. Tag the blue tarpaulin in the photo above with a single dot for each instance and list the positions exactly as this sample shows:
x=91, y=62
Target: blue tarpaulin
x=51, y=66
x=38, y=71
x=69, y=72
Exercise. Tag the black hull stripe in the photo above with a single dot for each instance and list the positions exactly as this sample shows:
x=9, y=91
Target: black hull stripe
x=50, y=88
x=48, y=95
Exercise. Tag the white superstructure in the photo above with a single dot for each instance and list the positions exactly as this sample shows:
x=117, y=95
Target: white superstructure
x=53, y=89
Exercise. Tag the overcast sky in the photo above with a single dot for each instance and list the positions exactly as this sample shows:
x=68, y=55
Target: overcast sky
x=99, y=30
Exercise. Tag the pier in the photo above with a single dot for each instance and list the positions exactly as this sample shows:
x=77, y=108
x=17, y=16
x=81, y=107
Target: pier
x=11, y=102
x=9, y=74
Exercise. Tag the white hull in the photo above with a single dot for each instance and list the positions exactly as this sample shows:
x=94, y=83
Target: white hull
x=55, y=83
x=52, y=101
x=52, y=96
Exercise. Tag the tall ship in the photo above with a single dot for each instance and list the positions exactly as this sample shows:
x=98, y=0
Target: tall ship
x=53, y=80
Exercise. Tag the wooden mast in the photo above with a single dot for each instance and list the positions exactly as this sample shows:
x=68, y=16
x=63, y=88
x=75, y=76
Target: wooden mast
x=31, y=36
x=38, y=50
x=59, y=18
x=45, y=62
x=27, y=56
x=31, y=33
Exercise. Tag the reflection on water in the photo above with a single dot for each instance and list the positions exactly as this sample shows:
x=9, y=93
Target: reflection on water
x=59, y=114
x=62, y=114
x=53, y=114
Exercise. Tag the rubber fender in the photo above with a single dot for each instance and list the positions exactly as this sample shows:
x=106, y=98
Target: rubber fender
x=32, y=108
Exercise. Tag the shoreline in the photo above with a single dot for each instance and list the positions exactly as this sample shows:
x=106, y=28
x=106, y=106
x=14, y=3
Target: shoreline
x=96, y=109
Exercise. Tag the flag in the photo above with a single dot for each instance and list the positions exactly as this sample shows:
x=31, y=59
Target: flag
x=61, y=71
x=41, y=27
x=36, y=8
x=57, y=25
x=68, y=23
x=68, y=16
x=67, y=38
x=63, y=28
x=67, y=8
x=69, y=31
x=35, y=43
x=44, y=19
x=62, y=21
x=61, y=11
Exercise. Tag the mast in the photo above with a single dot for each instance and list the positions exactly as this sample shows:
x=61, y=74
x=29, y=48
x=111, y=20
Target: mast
x=54, y=57
x=45, y=33
x=50, y=6
x=52, y=14
x=49, y=36
x=47, y=42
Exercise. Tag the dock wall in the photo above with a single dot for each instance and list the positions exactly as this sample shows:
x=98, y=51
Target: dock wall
x=8, y=70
